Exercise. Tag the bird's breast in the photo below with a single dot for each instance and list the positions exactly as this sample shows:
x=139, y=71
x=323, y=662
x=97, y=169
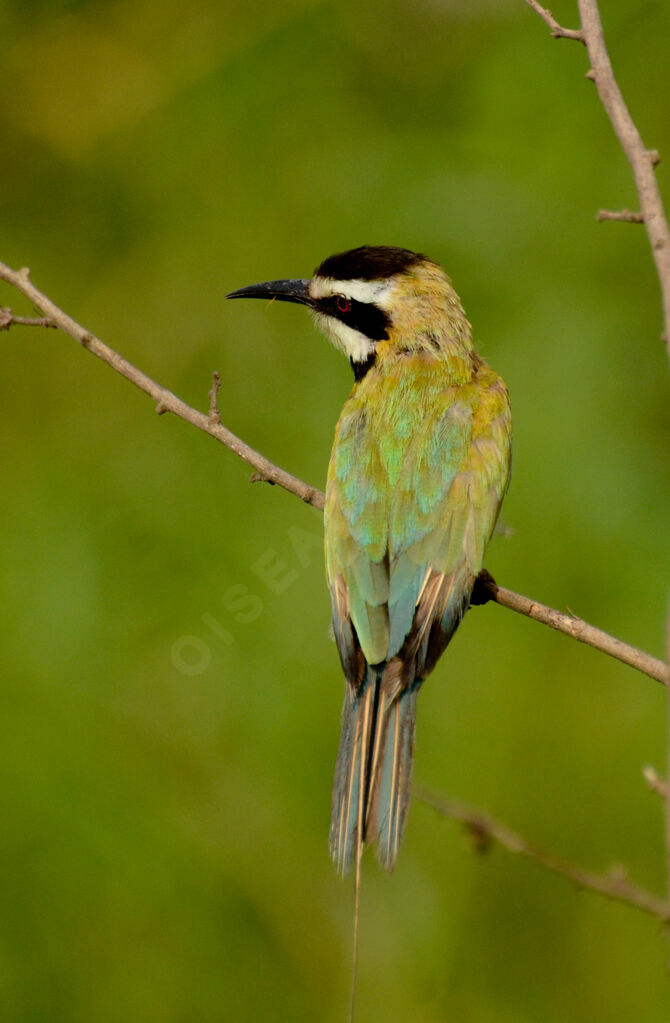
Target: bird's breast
x=404, y=431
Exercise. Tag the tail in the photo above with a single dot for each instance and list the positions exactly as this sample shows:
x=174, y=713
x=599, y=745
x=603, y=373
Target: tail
x=373, y=772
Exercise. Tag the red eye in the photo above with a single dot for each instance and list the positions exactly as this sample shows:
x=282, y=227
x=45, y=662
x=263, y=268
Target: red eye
x=343, y=304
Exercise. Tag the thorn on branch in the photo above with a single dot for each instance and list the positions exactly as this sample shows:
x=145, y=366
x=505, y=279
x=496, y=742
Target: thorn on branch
x=161, y=408
x=628, y=216
x=654, y=157
x=258, y=477
x=591, y=75
x=214, y=414
x=655, y=782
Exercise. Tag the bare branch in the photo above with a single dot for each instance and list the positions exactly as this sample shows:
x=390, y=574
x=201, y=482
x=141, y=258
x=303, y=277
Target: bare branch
x=641, y=159
x=7, y=320
x=214, y=414
x=486, y=588
x=557, y=31
x=485, y=830
x=165, y=400
x=629, y=216
x=652, y=214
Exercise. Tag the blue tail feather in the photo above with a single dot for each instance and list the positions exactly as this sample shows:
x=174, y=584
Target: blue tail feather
x=390, y=787
x=373, y=771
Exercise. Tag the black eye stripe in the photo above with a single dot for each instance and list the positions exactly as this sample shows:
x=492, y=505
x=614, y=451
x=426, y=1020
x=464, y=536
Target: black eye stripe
x=365, y=317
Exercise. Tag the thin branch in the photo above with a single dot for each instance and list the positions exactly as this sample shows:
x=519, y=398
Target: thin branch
x=165, y=400
x=214, y=414
x=557, y=31
x=641, y=159
x=7, y=320
x=486, y=589
x=628, y=216
x=485, y=830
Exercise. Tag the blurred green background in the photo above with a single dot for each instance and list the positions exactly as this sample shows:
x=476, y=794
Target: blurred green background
x=169, y=719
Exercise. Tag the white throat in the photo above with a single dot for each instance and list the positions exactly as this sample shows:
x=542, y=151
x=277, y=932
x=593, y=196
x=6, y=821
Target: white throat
x=355, y=345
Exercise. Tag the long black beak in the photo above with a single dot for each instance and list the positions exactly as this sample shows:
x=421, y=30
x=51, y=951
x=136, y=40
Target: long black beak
x=282, y=291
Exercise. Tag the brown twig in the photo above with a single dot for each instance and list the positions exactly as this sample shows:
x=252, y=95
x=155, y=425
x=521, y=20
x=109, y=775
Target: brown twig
x=7, y=320
x=487, y=589
x=214, y=414
x=165, y=400
x=485, y=830
x=557, y=31
x=641, y=159
x=652, y=213
x=628, y=216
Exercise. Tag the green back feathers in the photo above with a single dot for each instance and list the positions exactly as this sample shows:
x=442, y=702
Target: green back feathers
x=417, y=474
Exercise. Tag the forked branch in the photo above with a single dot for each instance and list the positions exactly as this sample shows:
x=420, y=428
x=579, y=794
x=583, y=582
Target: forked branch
x=557, y=31
x=642, y=160
x=652, y=213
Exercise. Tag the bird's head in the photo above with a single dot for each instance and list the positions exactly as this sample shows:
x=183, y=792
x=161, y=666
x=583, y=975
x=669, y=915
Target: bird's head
x=376, y=302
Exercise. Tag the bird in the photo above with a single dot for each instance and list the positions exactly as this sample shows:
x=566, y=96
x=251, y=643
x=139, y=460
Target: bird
x=419, y=467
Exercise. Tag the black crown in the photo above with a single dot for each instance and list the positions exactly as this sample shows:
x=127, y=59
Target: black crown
x=368, y=263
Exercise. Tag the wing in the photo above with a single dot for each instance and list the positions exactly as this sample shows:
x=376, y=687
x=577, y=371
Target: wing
x=356, y=531
x=444, y=511
x=409, y=511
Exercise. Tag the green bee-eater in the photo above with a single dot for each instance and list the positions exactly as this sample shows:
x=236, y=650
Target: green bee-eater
x=418, y=471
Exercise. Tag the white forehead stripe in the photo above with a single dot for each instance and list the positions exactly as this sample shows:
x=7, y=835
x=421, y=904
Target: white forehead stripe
x=378, y=292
